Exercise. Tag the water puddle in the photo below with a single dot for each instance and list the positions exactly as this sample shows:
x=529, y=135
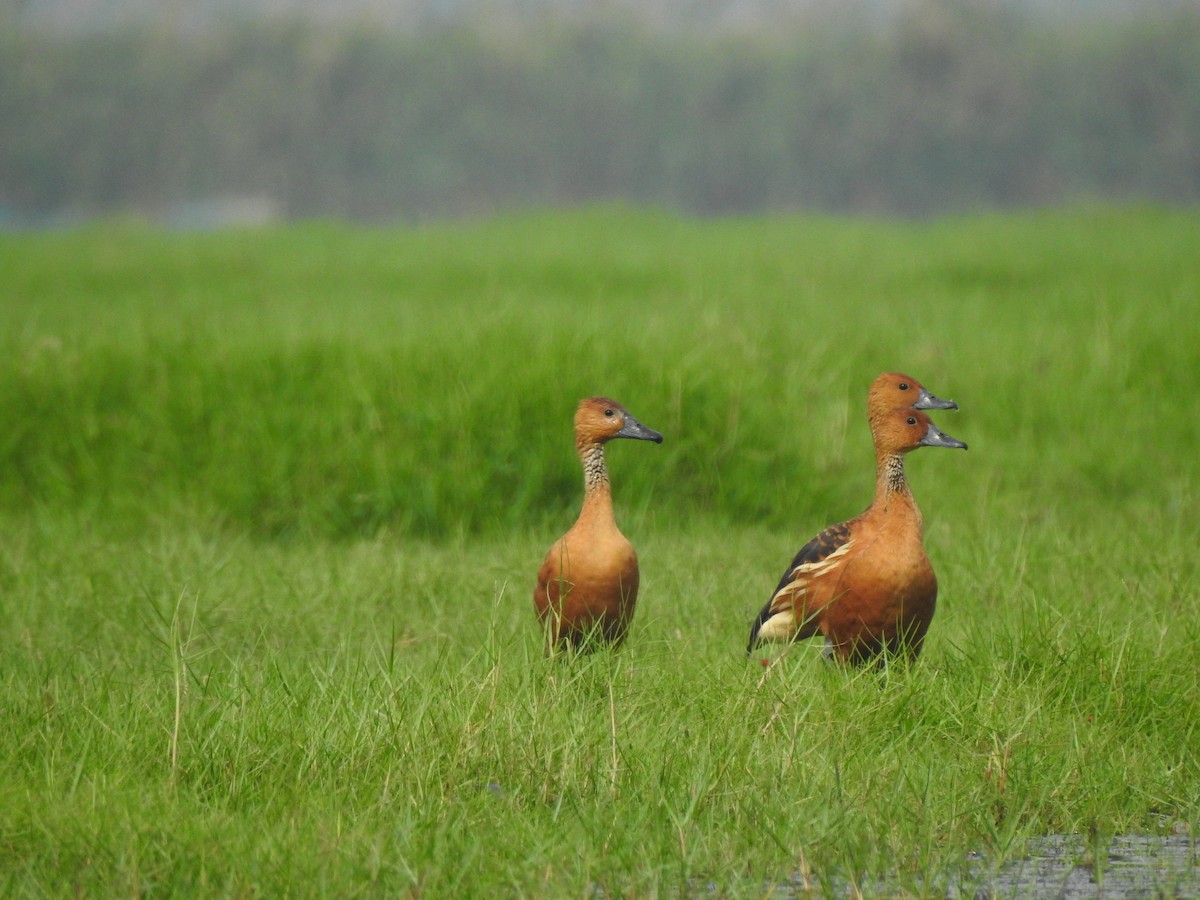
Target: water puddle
x=1067, y=867
x=1058, y=867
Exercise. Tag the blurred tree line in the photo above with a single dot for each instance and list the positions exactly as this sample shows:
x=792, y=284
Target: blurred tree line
x=946, y=106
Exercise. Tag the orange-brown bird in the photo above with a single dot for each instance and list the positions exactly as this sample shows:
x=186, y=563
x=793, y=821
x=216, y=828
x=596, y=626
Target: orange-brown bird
x=866, y=585
x=587, y=586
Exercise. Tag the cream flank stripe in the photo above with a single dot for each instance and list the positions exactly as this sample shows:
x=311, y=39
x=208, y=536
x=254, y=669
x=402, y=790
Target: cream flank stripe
x=782, y=624
x=808, y=571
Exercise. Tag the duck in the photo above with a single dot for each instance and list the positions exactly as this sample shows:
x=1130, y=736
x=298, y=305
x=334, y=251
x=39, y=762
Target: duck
x=866, y=584
x=587, y=586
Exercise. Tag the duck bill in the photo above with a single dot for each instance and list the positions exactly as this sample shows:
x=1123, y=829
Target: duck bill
x=639, y=432
x=934, y=437
x=926, y=400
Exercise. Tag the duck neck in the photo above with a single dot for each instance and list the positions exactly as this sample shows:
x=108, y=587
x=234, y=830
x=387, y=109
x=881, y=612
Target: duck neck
x=597, y=492
x=890, y=482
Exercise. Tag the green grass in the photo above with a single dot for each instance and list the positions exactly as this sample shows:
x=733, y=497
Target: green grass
x=271, y=504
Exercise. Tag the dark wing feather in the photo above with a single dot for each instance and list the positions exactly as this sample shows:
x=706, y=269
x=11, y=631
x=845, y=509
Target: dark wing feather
x=819, y=548
x=815, y=550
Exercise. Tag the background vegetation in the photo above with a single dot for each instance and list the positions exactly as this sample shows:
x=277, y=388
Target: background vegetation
x=271, y=503
x=943, y=106
x=339, y=380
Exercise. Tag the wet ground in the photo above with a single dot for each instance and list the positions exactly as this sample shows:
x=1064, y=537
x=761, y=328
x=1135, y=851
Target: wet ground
x=1068, y=867
x=1062, y=867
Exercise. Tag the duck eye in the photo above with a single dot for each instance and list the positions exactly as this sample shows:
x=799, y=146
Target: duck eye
x=610, y=412
x=912, y=420
x=904, y=385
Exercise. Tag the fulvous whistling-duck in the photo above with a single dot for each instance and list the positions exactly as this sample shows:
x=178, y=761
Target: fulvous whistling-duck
x=588, y=584
x=866, y=585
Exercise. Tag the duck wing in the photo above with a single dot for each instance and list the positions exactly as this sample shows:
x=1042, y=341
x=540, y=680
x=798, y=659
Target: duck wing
x=777, y=620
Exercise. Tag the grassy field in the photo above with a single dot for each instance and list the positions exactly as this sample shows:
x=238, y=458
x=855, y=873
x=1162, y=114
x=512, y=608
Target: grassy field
x=271, y=504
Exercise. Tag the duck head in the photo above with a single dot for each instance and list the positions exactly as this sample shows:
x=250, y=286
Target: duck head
x=599, y=420
x=895, y=390
x=904, y=430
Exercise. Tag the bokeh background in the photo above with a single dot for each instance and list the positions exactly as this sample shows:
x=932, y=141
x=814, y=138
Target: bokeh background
x=207, y=112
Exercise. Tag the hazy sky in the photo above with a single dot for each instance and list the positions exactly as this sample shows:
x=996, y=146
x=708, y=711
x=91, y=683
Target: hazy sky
x=75, y=15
